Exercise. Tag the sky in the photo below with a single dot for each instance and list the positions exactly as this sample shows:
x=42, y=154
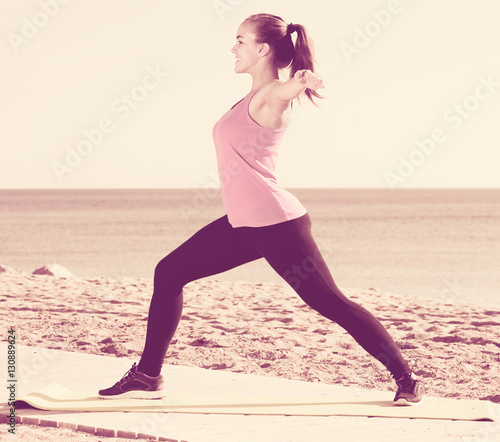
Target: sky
x=124, y=93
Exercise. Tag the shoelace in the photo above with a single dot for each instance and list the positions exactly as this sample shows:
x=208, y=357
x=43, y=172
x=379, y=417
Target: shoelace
x=406, y=383
x=129, y=373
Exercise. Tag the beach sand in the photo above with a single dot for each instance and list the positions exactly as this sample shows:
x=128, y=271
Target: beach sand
x=262, y=329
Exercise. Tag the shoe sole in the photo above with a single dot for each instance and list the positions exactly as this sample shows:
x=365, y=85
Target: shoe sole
x=136, y=395
x=404, y=402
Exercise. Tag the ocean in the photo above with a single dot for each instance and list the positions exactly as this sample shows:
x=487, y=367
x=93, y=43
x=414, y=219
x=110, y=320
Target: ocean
x=436, y=243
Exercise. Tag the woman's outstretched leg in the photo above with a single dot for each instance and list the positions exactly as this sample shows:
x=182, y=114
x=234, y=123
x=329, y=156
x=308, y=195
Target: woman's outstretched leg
x=291, y=250
x=214, y=249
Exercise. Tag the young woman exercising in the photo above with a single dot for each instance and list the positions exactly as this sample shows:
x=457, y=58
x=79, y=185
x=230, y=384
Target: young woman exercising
x=263, y=220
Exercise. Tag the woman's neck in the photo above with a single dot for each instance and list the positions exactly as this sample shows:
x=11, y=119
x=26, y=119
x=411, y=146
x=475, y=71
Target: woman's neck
x=263, y=77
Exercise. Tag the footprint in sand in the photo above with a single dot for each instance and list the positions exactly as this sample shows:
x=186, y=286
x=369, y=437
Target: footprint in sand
x=203, y=342
x=480, y=324
x=448, y=339
x=115, y=349
x=225, y=329
x=82, y=343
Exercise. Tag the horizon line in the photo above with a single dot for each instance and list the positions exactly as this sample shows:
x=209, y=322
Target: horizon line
x=218, y=188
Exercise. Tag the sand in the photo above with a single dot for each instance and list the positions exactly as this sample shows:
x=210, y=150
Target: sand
x=262, y=329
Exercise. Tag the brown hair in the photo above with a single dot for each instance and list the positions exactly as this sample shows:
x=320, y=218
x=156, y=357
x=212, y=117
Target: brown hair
x=274, y=31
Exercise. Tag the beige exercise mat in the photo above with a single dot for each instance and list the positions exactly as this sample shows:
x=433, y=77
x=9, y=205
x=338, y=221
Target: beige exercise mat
x=57, y=397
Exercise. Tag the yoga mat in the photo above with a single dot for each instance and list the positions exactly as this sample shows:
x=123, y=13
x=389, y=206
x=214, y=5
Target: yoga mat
x=57, y=397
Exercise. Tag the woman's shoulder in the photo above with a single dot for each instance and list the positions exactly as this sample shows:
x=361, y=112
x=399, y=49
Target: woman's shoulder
x=274, y=83
x=271, y=100
x=265, y=94
x=266, y=110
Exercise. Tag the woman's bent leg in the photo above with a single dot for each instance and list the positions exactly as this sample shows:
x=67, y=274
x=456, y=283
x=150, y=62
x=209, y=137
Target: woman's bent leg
x=214, y=249
x=291, y=250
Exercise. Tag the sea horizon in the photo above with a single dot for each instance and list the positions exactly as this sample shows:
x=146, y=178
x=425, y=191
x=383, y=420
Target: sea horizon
x=442, y=243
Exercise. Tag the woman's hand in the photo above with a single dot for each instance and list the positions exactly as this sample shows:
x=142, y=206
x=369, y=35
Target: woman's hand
x=308, y=79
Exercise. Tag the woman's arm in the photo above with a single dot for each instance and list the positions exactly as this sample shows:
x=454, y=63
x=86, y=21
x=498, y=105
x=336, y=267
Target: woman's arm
x=283, y=93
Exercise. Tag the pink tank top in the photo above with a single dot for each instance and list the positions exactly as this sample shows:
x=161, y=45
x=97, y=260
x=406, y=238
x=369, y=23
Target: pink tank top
x=246, y=158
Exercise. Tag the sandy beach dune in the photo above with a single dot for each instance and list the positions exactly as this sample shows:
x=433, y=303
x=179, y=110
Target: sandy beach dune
x=262, y=329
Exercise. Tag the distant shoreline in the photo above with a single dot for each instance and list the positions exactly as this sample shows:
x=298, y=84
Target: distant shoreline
x=289, y=188
x=440, y=244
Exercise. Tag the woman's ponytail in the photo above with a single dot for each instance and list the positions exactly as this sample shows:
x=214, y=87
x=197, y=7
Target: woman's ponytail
x=303, y=56
x=272, y=30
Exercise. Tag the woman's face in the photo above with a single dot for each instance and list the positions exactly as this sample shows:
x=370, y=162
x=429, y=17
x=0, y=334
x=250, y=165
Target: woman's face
x=246, y=50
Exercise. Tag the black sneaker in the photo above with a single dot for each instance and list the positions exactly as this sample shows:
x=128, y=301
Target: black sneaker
x=410, y=390
x=135, y=385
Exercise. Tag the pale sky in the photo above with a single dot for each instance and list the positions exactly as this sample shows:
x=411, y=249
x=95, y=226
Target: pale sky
x=412, y=93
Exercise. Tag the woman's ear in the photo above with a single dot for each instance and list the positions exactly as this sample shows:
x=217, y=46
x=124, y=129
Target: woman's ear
x=264, y=49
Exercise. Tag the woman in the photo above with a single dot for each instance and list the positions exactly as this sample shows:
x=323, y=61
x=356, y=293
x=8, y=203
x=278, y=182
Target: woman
x=263, y=220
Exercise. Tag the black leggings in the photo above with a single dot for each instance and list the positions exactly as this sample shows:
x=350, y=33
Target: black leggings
x=290, y=250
